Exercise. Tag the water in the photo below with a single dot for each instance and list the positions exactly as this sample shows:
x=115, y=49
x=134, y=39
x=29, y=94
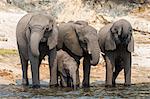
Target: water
x=97, y=91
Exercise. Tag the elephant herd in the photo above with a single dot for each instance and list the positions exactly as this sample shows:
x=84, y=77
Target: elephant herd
x=65, y=44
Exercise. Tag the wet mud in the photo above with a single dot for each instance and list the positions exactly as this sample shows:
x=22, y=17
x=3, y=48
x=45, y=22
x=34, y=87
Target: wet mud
x=11, y=75
x=141, y=90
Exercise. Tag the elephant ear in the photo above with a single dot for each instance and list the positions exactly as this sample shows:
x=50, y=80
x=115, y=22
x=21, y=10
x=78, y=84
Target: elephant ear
x=72, y=43
x=52, y=39
x=28, y=33
x=109, y=42
x=131, y=45
x=28, y=18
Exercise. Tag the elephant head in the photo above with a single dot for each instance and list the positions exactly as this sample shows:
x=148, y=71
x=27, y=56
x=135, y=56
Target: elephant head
x=41, y=28
x=120, y=34
x=88, y=40
x=79, y=39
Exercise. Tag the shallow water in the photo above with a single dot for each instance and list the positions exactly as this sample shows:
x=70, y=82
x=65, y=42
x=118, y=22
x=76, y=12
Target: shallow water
x=97, y=91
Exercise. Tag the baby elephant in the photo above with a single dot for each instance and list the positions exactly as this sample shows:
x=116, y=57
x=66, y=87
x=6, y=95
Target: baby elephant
x=116, y=43
x=67, y=70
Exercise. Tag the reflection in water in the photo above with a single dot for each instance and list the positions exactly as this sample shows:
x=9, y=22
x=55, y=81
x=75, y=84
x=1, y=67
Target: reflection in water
x=97, y=91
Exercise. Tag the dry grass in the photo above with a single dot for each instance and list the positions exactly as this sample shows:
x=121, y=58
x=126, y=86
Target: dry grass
x=7, y=51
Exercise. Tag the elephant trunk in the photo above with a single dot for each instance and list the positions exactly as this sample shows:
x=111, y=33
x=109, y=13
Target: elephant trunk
x=74, y=80
x=34, y=43
x=94, y=52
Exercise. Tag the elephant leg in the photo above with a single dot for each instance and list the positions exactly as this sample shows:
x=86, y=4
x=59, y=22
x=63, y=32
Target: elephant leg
x=24, y=63
x=127, y=69
x=115, y=74
x=53, y=67
x=109, y=70
x=40, y=61
x=41, y=57
x=35, y=70
x=77, y=78
x=74, y=81
x=86, y=71
x=69, y=81
x=63, y=81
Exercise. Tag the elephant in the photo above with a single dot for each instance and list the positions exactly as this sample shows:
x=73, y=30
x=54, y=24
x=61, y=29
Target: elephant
x=79, y=22
x=80, y=41
x=116, y=43
x=67, y=70
x=37, y=36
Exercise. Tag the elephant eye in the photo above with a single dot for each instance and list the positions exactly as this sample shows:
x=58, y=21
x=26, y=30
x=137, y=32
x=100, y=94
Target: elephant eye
x=130, y=30
x=29, y=28
x=115, y=29
x=84, y=41
x=47, y=29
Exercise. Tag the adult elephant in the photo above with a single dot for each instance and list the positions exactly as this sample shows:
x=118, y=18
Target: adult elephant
x=79, y=40
x=36, y=37
x=117, y=43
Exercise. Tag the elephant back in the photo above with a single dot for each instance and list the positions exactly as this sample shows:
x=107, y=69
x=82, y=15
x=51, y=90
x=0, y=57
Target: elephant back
x=102, y=34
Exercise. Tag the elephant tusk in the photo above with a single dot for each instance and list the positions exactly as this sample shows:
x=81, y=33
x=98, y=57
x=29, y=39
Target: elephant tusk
x=102, y=53
x=89, y=52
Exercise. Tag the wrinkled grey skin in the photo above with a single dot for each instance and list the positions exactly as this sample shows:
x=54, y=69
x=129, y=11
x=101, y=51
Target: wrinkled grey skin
x=117, y=43
x=80, y=41
x=67, y=70
x=36, y=37
x=81, y=22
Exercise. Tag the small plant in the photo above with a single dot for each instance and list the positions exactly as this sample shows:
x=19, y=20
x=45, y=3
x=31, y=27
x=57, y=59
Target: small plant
x=7, y=51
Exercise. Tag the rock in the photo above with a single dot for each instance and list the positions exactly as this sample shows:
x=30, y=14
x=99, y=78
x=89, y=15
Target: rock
x=3, y=39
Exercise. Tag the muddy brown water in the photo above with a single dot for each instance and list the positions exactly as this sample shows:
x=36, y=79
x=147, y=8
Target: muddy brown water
x=96, y=91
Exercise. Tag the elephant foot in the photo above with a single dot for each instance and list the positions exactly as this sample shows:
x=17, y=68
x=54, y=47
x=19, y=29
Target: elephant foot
x=35, y=86
x=78, y=85
x=113, y=84
x=75, y=86
x=127, y=85
x=108, y=86
x=25, y=82
x=85, y=85
x=54, y=85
